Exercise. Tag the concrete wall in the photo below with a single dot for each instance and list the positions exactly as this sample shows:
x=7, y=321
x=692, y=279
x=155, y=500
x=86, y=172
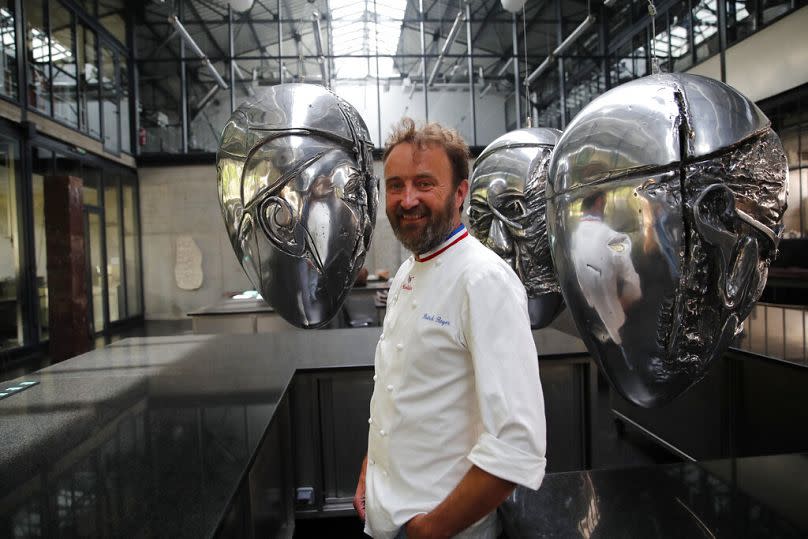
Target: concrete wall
x=768, y=62
x=177, y=201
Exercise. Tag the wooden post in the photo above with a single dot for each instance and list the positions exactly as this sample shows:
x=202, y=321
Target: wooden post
x=67, y=273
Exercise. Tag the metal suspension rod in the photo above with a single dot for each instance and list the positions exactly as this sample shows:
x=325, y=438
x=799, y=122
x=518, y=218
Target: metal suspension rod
x=458, y=23
x=318, y=43
x=186, y=37
x=562, y=47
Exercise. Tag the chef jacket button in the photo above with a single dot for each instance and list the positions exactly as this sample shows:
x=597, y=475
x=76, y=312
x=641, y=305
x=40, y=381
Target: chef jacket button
x=384, y=473
x=438, y=262
x=390, y=387
x=371, y=462
x=399, y=346
x=375, y=377
x=370, y=420
x=414, y=304
x=382, y=433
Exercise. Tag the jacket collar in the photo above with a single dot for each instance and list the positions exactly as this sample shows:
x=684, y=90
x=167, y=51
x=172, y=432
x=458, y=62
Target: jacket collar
x=456, y=236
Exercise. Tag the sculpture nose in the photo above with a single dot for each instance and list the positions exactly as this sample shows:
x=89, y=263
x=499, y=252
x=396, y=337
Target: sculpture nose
x=499, y=240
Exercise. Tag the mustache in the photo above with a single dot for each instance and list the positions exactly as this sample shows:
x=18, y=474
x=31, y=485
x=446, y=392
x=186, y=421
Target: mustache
x=417, y=211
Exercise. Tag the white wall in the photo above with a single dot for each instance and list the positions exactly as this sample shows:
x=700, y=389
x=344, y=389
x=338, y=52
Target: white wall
x=767, y=63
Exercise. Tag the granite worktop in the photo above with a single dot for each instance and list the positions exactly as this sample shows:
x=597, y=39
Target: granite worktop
x=153, y=435
x=732, y=498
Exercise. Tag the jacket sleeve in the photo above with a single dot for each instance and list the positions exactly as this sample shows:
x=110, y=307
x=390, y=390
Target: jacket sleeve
x=497, y=331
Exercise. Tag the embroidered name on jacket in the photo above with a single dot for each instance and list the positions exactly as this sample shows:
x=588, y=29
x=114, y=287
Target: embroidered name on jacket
x=408, y=284
x=436, y=319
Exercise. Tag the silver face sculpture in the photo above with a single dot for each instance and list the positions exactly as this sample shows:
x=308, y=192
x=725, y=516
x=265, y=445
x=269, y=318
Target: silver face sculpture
x=664, y=211
x=299, y=198
x=507, y=213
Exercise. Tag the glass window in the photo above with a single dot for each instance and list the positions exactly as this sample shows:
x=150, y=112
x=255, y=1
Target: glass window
x=8, y=50
x=92, y=186
x=11, y=326
x=131, y=248
x=741, y=20
x=89, y=89
x=38, y=41
x=89, y=6
x=112, y=221
x=123, y=108
x=111, y=17
x=65, y=68
x=41, y=166
x=95, y=269
x=109, y=98
x=705, y=29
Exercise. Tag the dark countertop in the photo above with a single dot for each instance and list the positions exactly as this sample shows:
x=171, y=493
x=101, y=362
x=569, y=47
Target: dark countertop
x=160, y=429
x=231, y=306
x=152, y=436
x=147, y=436
x=748, y=497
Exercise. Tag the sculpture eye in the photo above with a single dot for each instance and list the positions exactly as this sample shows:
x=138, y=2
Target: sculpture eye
x=514, y=208
x=479, y=218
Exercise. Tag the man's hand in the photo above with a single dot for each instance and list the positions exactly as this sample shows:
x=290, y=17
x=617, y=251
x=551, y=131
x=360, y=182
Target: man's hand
x=477, y=494
x=418, y=528
x=359, y=497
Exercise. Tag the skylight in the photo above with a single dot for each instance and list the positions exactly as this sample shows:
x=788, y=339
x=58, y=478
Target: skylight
x=365, y=27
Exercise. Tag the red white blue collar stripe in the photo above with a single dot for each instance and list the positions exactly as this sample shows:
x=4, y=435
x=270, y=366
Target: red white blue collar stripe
x=456, y=236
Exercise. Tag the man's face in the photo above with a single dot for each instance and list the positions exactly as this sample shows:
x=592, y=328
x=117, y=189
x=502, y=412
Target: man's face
x=422, y=204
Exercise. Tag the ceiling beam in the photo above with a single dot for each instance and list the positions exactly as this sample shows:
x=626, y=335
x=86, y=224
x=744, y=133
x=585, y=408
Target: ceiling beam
x=207, y=31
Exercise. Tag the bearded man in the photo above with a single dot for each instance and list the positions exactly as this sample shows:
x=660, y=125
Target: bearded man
x=457, y=413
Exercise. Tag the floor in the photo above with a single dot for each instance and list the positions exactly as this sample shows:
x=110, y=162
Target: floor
x=612, y=447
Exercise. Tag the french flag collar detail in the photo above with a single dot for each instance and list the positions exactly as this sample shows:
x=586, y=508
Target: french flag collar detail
x=455, y=237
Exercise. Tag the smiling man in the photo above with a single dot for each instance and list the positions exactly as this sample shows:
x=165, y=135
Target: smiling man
x=457, y=413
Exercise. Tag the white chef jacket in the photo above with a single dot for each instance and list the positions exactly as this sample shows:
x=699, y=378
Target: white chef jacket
x=602, y=260
x=456, y=384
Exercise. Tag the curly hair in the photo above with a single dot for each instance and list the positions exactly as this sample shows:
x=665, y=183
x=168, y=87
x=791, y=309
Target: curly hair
x=433, y=134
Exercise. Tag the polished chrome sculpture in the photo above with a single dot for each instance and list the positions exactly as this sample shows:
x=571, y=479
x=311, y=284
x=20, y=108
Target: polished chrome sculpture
x=664, y=211
x=507, y=213
x=299, y=198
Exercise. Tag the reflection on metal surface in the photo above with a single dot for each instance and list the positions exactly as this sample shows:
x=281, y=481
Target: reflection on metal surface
x=299, y=198
x=507, y=213
x=777, y=331
x=663, y=211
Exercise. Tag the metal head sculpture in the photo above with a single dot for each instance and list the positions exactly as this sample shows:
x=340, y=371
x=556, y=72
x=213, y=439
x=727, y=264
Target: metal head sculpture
x=299, y=198
x=507, y=213
x=664, y=211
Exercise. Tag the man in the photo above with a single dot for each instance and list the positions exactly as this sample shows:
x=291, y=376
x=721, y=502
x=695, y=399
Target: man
x=457, y=413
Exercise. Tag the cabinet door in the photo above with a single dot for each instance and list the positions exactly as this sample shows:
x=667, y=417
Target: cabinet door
x=344, y=399
x=330, y=429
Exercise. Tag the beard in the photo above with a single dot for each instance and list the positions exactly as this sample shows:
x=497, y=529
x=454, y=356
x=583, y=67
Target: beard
x=420, y=237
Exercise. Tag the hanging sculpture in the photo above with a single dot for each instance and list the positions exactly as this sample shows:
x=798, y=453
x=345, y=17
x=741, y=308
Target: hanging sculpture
x=507, y=214
x=299, y=199
x=664, y=210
